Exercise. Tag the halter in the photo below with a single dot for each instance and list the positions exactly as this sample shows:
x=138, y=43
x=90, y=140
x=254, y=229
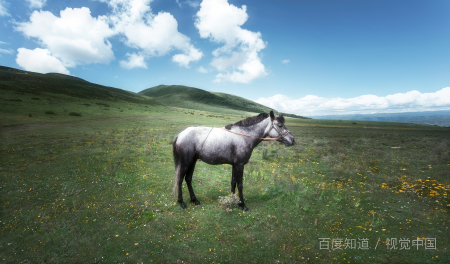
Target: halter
x=280, y=135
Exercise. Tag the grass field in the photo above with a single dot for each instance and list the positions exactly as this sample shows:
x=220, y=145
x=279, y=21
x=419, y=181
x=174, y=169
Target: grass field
x=97, y=188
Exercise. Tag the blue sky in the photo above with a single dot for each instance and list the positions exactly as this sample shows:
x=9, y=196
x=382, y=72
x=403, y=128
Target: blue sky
x=304, y=57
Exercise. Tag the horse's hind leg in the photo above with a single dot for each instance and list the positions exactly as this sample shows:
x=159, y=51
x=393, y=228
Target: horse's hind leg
x=179, y=184
x=189, y=174
x=182, y=170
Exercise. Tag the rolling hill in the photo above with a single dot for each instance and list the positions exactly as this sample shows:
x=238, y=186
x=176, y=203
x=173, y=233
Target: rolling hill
x=17, y=85
x=194, y=98
x=60, y=84
x=190, y=97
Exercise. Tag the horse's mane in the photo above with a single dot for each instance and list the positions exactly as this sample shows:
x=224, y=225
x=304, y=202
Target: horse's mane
x=280, y=119
x=249, y=121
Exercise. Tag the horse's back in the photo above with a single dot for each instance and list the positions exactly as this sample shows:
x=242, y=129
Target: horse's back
x=206, y=135
x=191, y=139
x=193, y=135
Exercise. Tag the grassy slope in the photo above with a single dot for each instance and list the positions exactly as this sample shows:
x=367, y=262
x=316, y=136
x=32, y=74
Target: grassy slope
x=98, y=188
x=60, y=84
x=26, y=97
x=194, y=98
x=72, y=91
x=189, y=97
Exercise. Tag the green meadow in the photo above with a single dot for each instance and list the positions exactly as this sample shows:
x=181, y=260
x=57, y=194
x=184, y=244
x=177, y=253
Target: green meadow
x=97, y=188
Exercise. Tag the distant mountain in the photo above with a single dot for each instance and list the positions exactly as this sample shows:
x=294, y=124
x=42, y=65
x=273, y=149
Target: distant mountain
x=437, y=118
x=194, y=98
x=57, y=83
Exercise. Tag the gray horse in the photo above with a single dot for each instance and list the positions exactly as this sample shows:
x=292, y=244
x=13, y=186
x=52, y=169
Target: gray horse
x=230, y=145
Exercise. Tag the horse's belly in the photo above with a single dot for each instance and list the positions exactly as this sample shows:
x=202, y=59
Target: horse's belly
x=224, y=157
x=216, y=160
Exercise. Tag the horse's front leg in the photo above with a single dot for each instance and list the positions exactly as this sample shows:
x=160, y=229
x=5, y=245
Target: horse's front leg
x=239, y=176
x=233, y=180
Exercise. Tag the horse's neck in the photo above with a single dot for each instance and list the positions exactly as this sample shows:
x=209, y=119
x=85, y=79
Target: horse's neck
x=267, y=127
x=259, y=130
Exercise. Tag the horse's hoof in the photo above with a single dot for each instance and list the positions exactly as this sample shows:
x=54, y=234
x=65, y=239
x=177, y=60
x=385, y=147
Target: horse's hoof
x=244, y=208
x=196, y=202
x=183, y=205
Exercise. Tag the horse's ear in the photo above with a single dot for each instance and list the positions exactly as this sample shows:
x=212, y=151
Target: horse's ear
x=272, y=115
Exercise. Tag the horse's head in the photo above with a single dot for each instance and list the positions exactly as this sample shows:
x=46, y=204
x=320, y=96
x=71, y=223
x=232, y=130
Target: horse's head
x=279, y=130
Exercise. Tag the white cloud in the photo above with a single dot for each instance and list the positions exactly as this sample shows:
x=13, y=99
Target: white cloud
x=39, y=60
x=134, y=61
x=238, y=59
x=6, y=51
x=153, y=35
x=184, y=59
x=36, y=4
x=202, y=70
x=311, y=105
x=285, y=61
x=73, y=38
x=3, y=10
x=188, y=2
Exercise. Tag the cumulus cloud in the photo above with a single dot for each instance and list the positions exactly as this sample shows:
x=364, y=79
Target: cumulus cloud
x=3, y=10
x=152, y=35
x=311, y=105
x=36, y=4
x=285, y=61
x=202, y=70
x=184, y=59
x=238, y=59
x=73, y=38
x=39, y=60
x=134, y=61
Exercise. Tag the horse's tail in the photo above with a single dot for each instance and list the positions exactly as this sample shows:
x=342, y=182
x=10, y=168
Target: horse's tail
x=176, y=160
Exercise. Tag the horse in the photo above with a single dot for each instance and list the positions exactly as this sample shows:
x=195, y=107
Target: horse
x=232, y=144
